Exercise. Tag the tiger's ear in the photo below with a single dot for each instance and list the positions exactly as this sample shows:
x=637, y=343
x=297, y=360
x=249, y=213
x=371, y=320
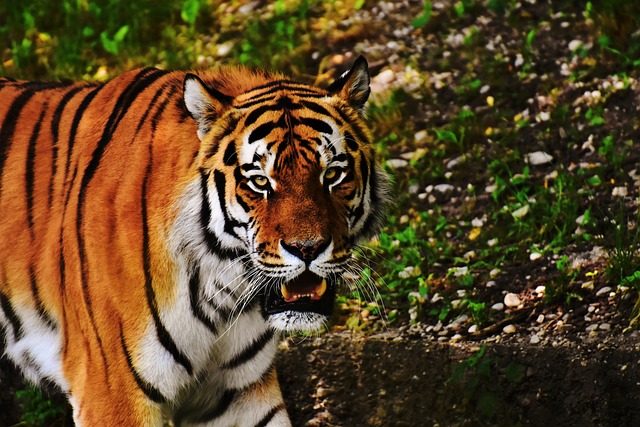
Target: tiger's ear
x=203, y=103
x=353, y=85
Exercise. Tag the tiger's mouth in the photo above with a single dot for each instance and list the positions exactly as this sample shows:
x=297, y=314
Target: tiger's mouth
x=306, y=293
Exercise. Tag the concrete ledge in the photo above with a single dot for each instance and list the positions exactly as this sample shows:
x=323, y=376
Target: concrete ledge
x=337, y=380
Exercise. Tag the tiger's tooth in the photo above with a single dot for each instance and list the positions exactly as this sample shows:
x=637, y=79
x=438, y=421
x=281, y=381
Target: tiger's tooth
x=285, y=292
x=320, y=290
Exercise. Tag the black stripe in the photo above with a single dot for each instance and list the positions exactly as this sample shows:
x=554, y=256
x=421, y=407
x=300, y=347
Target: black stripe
x=367, y=228
x=360, y=134
x=212, y=241
x=161, y=108
x=10, y=313
x=148, y=110
x=164, y=337
x=230, y=157
x=253, y=116
x=194, y=300
x=220, y=181
x=55, y=128
x=358, y=212
x=250, y=352
x=318, y=125
x=262, y=131
x=36, y=297
x=255, y=101
x=351, y=141
x=73, y=131
x=151, y=392
x=319, y=109
x=9, y=127
x=220, y=409
x=38, y=86
x=269, y=416
x=30, y=168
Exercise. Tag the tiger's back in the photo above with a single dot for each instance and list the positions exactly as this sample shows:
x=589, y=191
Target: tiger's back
x=123, y=266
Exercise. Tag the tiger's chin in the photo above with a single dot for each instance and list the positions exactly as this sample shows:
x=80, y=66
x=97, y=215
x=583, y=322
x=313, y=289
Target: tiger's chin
x=304, y=304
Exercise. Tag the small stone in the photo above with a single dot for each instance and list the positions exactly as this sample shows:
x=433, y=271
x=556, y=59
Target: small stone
x=592, y=328
x=511, y=300
x=540, y=290
x=540, y=318
x=473, y=329
x=494, y=273
x=497, y=306
x=603, y=290
x=604, y=327
x=521, y=212
x=397, y=163
x=421, y=135
x=535, y=256
x=224, y=49
x=535, y=339
x=509, y=329
x=490, y=284
x=442, y=188
x=620, y=192
x=575, y=45
x=538, y=158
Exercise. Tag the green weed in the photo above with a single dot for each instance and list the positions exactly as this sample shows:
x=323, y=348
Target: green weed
x=37, y=409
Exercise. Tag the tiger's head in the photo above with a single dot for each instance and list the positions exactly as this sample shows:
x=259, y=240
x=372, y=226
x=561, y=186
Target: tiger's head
x=291, y=185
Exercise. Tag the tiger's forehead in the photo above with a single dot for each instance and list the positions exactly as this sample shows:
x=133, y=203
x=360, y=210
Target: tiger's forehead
x=275, y=89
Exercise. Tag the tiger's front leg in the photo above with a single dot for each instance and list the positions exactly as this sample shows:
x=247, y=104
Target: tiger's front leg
x=258, y=405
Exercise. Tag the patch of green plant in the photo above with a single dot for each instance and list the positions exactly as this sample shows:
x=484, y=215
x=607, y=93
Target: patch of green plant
x=622, y=241
x=618, y=22
x=424, y=18
x=273, y=41
x=559, y=289
x=37, y=409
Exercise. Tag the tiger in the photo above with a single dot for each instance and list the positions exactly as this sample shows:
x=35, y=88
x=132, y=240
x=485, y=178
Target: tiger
x=161, y=231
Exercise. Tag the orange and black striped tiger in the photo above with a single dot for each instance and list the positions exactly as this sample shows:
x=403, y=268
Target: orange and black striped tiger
x=158, y=231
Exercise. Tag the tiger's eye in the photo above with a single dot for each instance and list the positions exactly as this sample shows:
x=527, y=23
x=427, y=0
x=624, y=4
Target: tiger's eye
x=260, y=181
x=331, y=173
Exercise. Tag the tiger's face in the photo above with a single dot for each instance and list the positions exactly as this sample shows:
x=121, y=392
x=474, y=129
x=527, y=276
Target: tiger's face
x=292, y=185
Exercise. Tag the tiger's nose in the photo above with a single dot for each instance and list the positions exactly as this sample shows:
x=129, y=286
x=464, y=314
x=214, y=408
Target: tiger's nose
x=306, y=250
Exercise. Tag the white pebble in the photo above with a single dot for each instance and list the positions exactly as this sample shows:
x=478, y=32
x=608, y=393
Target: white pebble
x=497, y=306
x=512, y=300
x=604, y=326
x=535, y=255
x=397, y=163
x=443, y=188
x=509, y=329
x=538, y=158
x=619, y=192
x=473, y=329
x=602, y=291
x=575, y=45
x=421, y=135
x=535, y=339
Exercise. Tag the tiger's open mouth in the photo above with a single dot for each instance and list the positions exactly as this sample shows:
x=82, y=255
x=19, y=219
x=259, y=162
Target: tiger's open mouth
x=306, y=293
